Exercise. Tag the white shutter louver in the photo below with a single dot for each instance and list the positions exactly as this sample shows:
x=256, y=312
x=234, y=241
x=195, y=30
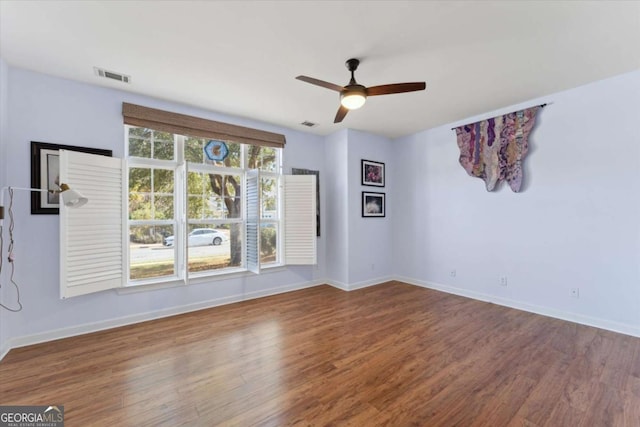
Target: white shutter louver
x=91, y=237
x=252, y=236
x=300, y=219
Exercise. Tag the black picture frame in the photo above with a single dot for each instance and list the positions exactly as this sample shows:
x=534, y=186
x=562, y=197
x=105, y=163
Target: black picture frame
x=372, y=173
x=373, y=205
x=44, y=162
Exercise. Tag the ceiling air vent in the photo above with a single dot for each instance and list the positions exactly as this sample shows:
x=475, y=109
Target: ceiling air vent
x=308, y=124
x=112, y=75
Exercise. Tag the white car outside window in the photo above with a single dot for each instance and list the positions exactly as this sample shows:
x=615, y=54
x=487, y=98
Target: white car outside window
x=202, y=237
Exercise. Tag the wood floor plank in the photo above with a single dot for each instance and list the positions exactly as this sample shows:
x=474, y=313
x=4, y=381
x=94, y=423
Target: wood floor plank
x=536, y=409
x=388, y=355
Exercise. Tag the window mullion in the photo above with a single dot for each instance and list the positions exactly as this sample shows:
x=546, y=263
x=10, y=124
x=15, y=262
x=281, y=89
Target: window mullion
x=152, y=141
x=152, y=194
x=202, y=198
x=180, y=191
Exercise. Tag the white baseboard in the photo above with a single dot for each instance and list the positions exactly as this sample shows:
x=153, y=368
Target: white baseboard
x=158, y=314
x=358, y=285
x=609, y=325
x=336, y=284
x=371, y=282
x=4, y=350
x=151, y=315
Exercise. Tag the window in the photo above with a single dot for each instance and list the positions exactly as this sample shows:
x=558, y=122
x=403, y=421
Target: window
x=185, y=216
x=201, y=220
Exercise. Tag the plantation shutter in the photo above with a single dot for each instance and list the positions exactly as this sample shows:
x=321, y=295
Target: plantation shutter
x=252, y=234
x=91, y=236
x=300, y=219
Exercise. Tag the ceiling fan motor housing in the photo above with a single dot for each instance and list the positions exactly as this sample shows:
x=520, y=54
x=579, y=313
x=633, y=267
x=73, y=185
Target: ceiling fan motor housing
x=352, y=64
x=354, y=95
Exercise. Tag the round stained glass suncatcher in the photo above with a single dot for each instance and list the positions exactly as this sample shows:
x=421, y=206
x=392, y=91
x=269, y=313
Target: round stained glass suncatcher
x=216, y=150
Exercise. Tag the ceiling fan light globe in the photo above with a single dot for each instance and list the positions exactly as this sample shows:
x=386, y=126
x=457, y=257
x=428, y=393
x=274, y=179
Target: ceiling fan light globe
x=352, y=101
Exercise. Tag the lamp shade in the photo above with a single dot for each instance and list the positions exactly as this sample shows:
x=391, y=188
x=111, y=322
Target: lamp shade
x=71, y=197
x=353, y=97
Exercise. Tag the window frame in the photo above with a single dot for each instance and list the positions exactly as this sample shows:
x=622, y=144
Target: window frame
x=181, y=221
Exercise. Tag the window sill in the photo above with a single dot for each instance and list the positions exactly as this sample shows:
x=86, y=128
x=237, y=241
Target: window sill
x=234, y=274
x=199, y=279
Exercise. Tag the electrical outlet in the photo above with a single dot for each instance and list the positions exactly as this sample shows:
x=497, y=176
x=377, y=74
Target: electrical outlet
x=503, y=280
x=575, y=292
x=452, y=273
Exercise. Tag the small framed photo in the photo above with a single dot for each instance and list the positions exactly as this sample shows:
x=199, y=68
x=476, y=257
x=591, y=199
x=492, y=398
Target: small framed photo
x=373, y=204
x=372, y=173
x=45, y=173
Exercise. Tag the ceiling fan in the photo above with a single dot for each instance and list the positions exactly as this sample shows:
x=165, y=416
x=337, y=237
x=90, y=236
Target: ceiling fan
x=354, y=95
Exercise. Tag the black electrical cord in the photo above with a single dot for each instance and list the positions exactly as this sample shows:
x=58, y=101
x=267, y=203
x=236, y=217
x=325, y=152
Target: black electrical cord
x=10, y=254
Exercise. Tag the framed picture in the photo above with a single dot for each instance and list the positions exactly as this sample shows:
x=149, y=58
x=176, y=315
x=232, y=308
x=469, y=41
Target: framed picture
x=298, y=171
x=372, y=173
x=45, y=172
x=372, y=204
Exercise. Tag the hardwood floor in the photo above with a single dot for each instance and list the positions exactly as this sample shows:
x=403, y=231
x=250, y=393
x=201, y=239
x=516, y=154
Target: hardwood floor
x=389, y=355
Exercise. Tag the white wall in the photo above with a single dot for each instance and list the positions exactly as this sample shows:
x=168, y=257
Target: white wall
x=370, y=239
x=337, y=208
x=4, y=117
x=359, y=251
x=50, y=109
x=4, y=129
x=574, y=225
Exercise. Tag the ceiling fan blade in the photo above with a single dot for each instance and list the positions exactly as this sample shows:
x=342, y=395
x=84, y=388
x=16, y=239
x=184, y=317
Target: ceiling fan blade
x=342, y=111
x=320, y=83
x=396, y=88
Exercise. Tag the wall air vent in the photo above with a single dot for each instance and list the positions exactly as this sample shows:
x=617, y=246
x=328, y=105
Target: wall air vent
x=308, y=124
x=101, y=72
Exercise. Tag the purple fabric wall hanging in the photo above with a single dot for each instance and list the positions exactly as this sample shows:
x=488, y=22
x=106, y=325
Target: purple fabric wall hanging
x=494, y=149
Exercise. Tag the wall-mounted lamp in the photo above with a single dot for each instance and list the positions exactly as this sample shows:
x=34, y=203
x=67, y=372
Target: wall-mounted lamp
x=69, y=197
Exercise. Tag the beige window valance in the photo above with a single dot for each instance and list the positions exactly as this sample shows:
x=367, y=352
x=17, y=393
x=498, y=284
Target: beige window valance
x=136, y=115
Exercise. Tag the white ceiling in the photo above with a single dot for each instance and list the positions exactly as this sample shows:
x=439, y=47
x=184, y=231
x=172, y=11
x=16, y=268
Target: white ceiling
x=241, y=57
